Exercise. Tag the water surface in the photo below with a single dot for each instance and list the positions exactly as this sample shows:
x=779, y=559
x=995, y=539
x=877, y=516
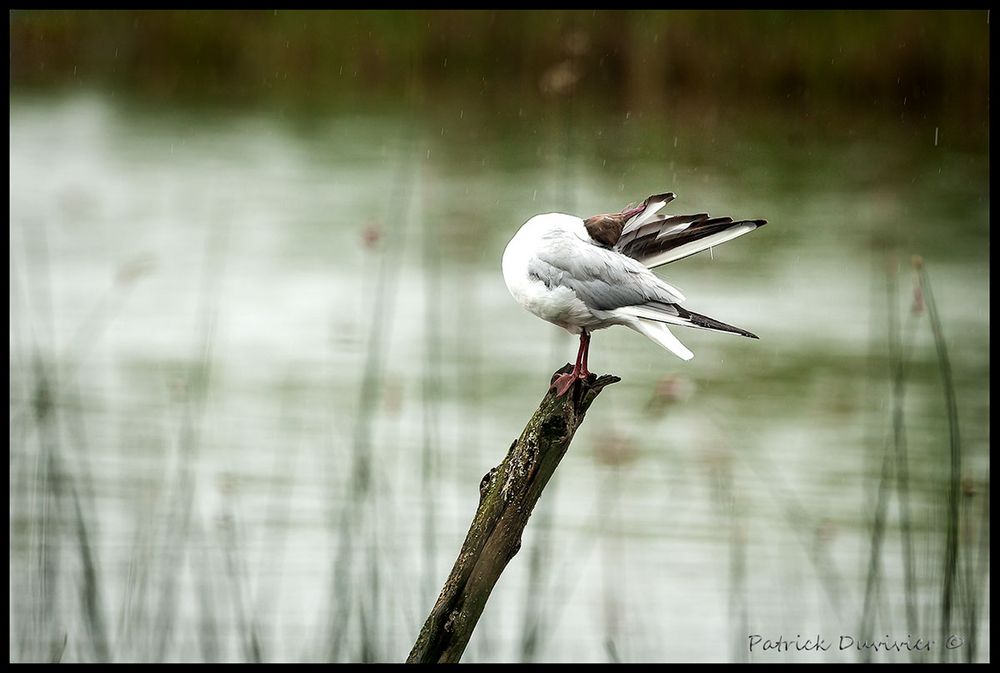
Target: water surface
x=260, y=362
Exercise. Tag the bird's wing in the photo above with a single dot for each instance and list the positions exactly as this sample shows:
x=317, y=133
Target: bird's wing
x=646, y=211
x=675, y=314
x=666, y=239
x=602, y=278
x=651, y=319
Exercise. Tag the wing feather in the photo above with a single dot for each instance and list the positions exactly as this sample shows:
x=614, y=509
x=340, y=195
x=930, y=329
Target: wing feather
x=647, y=211
x=668, y=239
x=603, y=278
x=675, y=314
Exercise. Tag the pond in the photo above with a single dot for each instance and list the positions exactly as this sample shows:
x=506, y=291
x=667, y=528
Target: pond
x=260, y=361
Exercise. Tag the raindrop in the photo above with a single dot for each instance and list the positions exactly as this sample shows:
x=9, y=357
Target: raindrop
x=534, y=195
x=936, y=129
x=675, y=141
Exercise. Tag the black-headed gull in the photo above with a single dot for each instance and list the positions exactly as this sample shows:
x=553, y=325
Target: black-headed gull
x=585, y=275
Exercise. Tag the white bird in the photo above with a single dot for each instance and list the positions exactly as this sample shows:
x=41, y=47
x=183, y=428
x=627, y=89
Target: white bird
x=585, y=275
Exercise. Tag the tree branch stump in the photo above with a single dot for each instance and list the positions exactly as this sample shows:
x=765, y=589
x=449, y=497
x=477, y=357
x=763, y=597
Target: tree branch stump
x=507, y=495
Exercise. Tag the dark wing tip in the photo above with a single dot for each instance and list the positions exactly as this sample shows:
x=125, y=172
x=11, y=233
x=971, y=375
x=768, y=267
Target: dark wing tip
x=703, y=321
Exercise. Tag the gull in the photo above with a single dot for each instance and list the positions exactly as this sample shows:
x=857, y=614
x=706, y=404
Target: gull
x=589, y=274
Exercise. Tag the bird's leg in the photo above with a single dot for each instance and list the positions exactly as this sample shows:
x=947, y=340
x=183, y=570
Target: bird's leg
x=564, y=381
x=585, y=348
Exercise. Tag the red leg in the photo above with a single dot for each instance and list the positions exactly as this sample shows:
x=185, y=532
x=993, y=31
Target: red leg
x=585, y=347
x=563, y=382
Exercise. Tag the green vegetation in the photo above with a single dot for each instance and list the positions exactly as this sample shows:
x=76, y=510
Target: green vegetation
x=886, y=62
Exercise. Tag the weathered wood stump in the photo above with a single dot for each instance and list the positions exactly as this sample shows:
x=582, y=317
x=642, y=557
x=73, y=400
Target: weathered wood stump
x=507, y=495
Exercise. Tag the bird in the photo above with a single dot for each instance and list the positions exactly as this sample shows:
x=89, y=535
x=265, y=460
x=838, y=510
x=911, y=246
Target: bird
x=589, y=274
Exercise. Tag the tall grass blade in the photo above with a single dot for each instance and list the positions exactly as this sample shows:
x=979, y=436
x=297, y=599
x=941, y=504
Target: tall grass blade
x=951, y=550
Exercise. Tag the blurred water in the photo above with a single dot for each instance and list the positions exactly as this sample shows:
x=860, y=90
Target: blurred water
x=259, y=364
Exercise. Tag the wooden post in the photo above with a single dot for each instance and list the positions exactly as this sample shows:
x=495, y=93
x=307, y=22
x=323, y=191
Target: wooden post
x=507, y=495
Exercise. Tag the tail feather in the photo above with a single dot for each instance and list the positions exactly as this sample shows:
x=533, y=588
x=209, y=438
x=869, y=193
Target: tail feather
x=660, y=334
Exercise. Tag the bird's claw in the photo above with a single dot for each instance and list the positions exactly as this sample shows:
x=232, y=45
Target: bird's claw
x=563, y=383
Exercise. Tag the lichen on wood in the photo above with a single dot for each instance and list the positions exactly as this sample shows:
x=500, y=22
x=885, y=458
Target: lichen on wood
x=507, y=496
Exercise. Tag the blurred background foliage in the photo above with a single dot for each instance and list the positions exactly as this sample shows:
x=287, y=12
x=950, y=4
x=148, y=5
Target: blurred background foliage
x=824, y=63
